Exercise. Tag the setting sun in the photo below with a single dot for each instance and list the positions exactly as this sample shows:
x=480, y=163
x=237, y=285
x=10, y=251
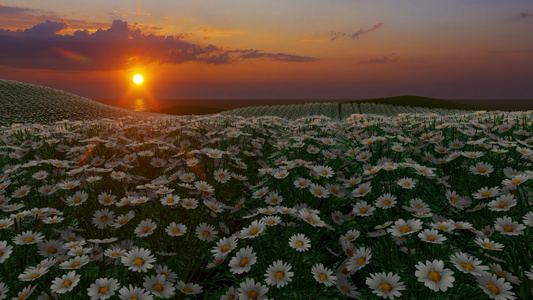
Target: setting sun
x=138, y=79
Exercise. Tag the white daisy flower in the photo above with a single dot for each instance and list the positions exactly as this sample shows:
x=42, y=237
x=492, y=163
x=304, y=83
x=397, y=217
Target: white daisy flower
x=300, y=242
x=103, y=288
x=502, y=203
x=28, y=237
x=507, y=226
x=243, y=261
x=468, y=264
x=386, y=201
x=402, y=227
x=488, y=244
x=495, y=287
x=138, y=260
x=386, y=285
x=252, y=231
x=66, y=283
x=75, y=263
x=176, y=229
x=25, y=293
x=431, y=236
x=189, y=288
x=32, y=273
x=145, y=228
x=279, y=274
x=407, y=183
x=249, y=290
x=5, y=251
x=323, y=275
x=434, y=276
x=103, y=217
x=123, y=219
x=131, y=292
x=206, y=232
x=224, y=246
x=347, y=288
x=159, y=286
x=169, y=200
x=360, y=259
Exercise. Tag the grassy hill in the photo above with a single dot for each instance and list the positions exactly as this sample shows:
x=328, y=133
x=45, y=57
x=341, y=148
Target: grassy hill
x=28, y=103
x=418, y=101
x=189, y=110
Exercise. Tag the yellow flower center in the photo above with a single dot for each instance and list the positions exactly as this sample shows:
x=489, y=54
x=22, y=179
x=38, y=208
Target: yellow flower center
x=453, y=200
x=322, y=276
x=103, y=219
x=491, y=287
x=432, y=238
x=299, y=243
x=138, y=261
x=28, y=239
x=485, y=194
x=386, y=202
x=363, y=210
x=508, y=228
x=103, y=290
x=225, y=248
x=279, y=275
x=467, y=266
x=146, y=229
x=361, y=260
x=502, y=274
x=345, y=289
x=67, y=283
x=243, y=262
x=310, y=220
x=487, y=246
x=175, y=230
x=405, y=229
x=503, y=204
x=435, y=276
x=253, y=295
x=34, y=275
x=206, y=233
x=52, y=250
x=158, y=287
x=516, y=181
x=481, y=170
x=254, y=231
x=385, y=287
x=75, y=265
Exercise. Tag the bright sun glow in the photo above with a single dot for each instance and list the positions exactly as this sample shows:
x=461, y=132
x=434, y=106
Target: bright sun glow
x=138, y=79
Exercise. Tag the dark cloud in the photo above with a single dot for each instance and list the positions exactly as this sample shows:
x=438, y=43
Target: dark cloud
x=276, y=56
x=524, y=15
x=378, y=60
x=118, y=47
x=21, y=17
x=355, y=35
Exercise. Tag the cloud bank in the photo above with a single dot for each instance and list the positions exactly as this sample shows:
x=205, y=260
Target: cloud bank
x=355, y=35
x=117, y=48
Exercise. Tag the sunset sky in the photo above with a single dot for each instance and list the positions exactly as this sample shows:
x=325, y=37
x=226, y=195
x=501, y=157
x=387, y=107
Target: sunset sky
x=253, y=49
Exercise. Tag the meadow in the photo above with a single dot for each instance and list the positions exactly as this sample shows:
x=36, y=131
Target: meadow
x=413, y=206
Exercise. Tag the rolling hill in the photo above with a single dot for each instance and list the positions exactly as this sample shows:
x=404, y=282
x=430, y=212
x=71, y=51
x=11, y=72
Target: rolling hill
x=28, y=103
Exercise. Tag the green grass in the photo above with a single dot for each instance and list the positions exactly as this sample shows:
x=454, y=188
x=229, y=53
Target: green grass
x=409, y=100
